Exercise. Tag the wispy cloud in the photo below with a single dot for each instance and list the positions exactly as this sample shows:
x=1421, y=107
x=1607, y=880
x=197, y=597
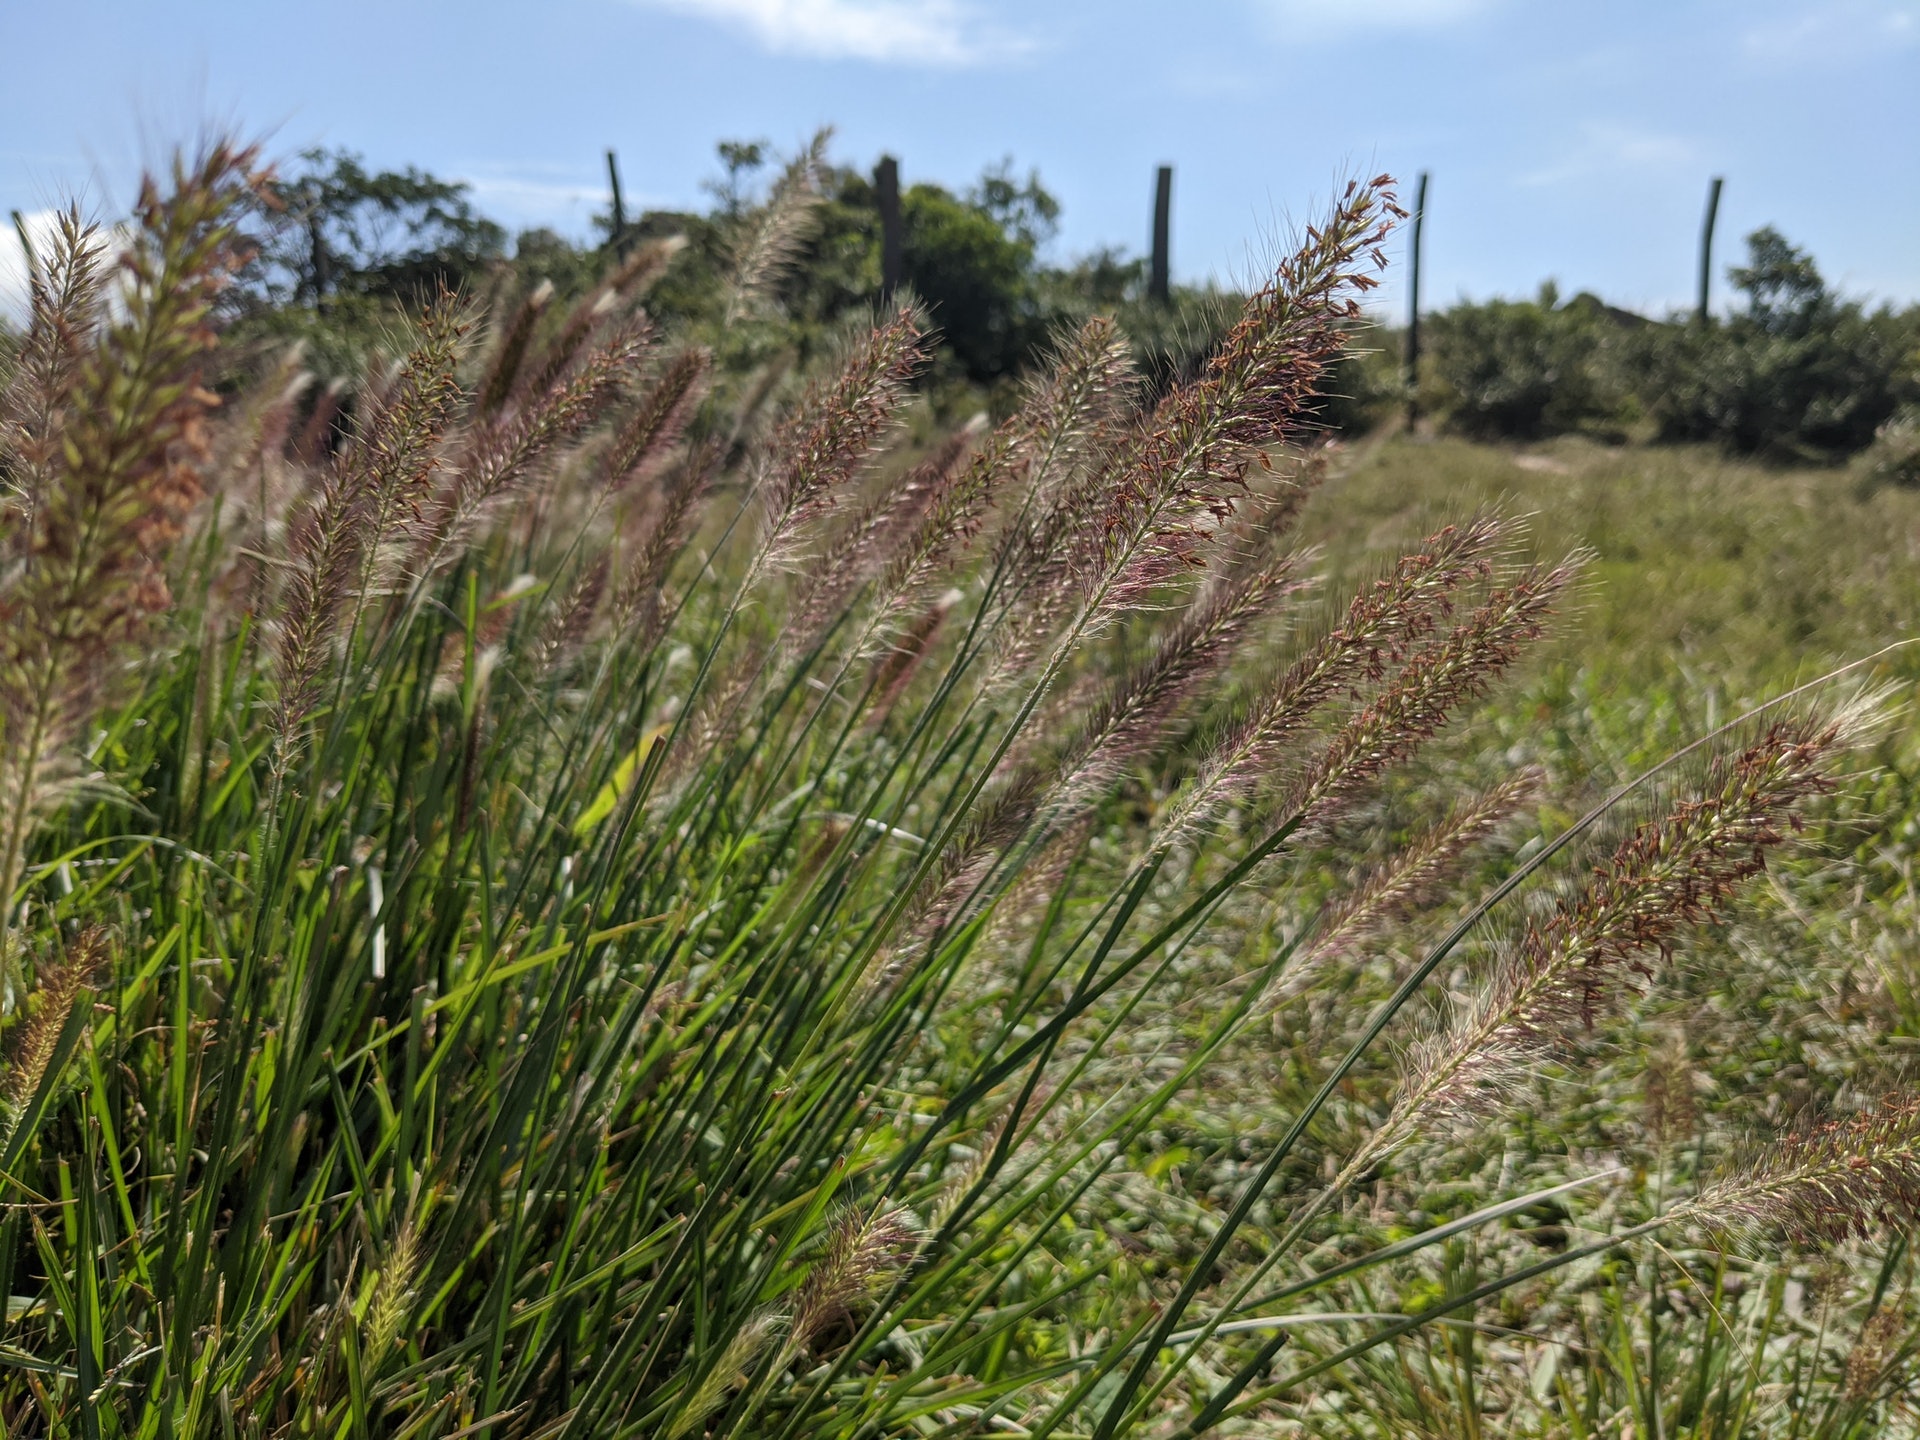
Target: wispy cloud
x=1320, y=18
x=40, y=228
x=1609, y=148
x=1833, y=31
x=522, y=198
x=943, y=33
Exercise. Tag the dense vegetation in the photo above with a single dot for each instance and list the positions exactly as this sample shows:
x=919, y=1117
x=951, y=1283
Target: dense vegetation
x=346, y=251
x=613, y=872
x=1795, y=371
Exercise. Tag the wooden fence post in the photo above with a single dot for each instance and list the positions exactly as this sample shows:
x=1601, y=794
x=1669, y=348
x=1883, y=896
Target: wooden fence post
x=1159, y=278
x=617, y=236
x=886, y=187
x=1706, y=248
x=1413, y=306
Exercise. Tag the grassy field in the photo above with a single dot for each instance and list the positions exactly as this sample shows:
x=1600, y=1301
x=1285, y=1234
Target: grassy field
x=1712, y=575
x=1716, y=584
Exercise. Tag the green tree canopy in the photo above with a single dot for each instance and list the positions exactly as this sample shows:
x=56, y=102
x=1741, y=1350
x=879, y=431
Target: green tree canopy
x=345, y=230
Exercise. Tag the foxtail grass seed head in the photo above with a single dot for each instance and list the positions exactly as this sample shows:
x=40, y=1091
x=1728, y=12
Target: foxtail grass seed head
x=660, y=419
x=1674, y=874
x=116, y=448
x=1434, y=683
x=59, y=986
x=770, y=242
x=1832, y=1182
x=1171, y=486
x=1407, y=880
x=744, y=1349
x=1878, y=1340
x=1381, y=625
x=834, y=434
x=866, y=1250
x=393, y=1292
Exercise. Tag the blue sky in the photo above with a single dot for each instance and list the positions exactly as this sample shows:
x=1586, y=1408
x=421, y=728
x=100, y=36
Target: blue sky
x=1571, y=140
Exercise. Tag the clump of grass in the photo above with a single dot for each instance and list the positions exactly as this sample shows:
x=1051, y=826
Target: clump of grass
x=605, y=868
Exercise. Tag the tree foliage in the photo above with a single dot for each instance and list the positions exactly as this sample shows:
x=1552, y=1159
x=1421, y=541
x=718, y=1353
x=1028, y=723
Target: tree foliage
x=1798, y=370
x=344, y=230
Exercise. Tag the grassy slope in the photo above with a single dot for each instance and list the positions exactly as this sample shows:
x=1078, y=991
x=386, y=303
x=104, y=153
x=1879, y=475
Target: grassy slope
x=1711, y=572
x=1716, y=583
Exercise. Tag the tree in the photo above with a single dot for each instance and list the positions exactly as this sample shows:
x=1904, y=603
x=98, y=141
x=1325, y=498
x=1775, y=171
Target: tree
x=343, y=230
x=1782, y=284
x=1801, y=371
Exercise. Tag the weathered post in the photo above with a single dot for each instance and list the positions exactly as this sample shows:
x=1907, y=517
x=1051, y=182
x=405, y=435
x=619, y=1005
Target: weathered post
x=617, y=236
x=1413, y=305
x=1706, y=248
x=886, y=194
x=1159, y=277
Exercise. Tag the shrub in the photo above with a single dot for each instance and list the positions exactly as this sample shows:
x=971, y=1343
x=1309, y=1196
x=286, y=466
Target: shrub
x=1798, y=371
x=1523, y=369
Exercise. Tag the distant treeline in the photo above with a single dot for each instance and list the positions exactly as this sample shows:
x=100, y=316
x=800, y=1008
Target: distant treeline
x=349, y=246
x=1794, y=369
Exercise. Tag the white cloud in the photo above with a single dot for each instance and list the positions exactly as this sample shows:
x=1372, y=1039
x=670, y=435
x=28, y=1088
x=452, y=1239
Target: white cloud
x=1320, y=18
x=13, y=261
x=1605, y=148
x=944, y=33
x=521, y=198
x=1833, y=31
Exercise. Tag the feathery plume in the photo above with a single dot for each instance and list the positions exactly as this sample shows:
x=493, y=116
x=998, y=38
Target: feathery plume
x=728, y=1374
x=502, y=458
x=865, y=1250
x=1050, y=452
x=1435, y=681
x=1131, y=719
x=63, y=292
x=606, y=307
x=377, y=482
x=1833, y=1182
x=904, y=657
x=121, y=469
x=69, y=981
x=1876, y=1344
x=567, y=624
x=771, y=244
x=1263, y=521
x=1380, y=624
x=834, y=433
x=994, y=825
x=1667, y=1092
x=511, y=349
x=961, y=486
x=637, y=599
x=1170, y=487
x=314, y=442
x=891, y=523
x=1404, y=883
x=1672, y=874
x=659, y=419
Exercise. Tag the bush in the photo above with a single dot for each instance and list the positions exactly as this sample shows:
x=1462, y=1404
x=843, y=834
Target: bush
x=1798, y=371
x=1524, y=369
